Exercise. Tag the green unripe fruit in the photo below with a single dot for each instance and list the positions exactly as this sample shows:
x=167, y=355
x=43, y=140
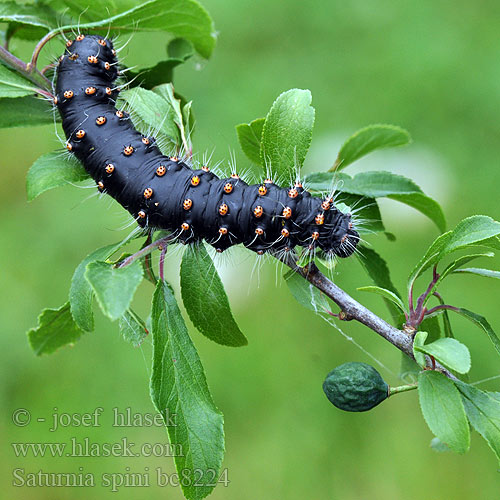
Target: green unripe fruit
x=355, y=387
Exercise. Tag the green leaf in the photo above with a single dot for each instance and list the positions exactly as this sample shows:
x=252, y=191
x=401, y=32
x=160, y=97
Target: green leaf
x=375, y=184
x=179, y=51
x=378, y=184
x=443, y=410
x=384, y=293
x=188, y=120
x=453, y=267
x=167, y=92
x=14, y=85
x=205, y=299
x=483, y=412
x=132, y=328
x=31, y=21
x=28, y=21
x=160, y=73
x=326, y=181
x=80, y=293
x=179, y=389
x=431, y=326
x=55, y=329
x=425, y=205
x=183, y=18
x=489, y=273
x=249, y=137
x=89, y=10
x=305, y=293
x=53, y=170
x=494, y=395
x=477, y=230
x=25, y=112
x=492, y=243
x=450, y=352
x=23, y=32
x=418, y=341
x=470, y=232
x=35, y=15
x=429, y=258
x=287, y=133
x=369, y=139
x=114, y=287
x=482, y=323
x=448, y=332
x=153, y=111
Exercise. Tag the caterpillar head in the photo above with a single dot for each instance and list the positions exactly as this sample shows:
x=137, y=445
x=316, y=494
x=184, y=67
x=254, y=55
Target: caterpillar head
x=339, y=237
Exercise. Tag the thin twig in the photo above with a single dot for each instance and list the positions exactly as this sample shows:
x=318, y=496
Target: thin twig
x=441, y=306
x=421, y=299
x=38, y=48
x=144, y=251
x=418, y=313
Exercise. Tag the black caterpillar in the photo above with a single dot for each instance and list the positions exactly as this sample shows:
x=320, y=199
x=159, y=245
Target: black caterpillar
x=163, y=192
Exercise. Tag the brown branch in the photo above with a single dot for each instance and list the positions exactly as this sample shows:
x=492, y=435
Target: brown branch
x=29, y=72
x=398, y=338
x=359, y=312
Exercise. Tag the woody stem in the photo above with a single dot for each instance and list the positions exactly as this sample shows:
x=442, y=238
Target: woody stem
x=44, y=85
x=357, y=311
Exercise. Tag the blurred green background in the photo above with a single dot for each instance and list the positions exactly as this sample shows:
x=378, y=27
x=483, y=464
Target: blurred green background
x=431, y=67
